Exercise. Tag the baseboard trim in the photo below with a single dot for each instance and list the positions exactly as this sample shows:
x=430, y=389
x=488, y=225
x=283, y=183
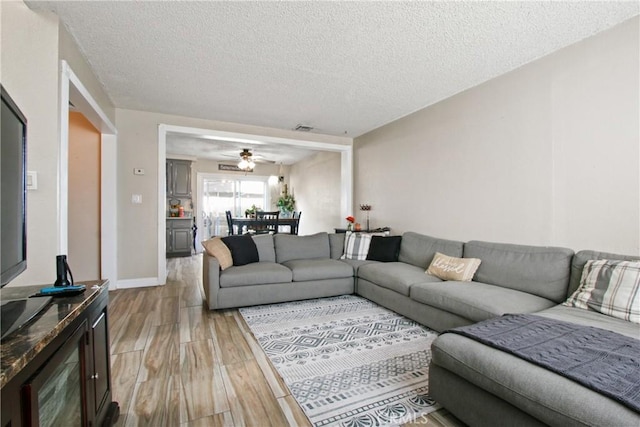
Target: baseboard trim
x=138, y=283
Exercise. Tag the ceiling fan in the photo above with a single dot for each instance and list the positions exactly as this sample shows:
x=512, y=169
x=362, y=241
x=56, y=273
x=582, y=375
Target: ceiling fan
x=248, y=160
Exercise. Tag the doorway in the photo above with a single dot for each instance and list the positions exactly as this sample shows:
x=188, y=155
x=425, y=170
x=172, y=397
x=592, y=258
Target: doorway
x=346, y=171
x=84, y=198
x=72, y=91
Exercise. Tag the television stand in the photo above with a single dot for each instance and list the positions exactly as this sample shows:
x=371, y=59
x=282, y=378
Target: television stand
x=17, y=312
x=55, y=369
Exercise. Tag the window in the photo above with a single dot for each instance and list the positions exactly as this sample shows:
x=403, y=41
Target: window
x=236, y=194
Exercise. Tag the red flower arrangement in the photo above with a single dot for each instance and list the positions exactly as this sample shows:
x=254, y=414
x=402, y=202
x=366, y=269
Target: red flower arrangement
x=350, y=219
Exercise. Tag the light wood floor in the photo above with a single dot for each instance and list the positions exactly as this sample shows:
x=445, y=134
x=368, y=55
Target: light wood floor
x=175, y=363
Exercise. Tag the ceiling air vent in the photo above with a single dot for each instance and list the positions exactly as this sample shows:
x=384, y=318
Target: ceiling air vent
x=303, y=128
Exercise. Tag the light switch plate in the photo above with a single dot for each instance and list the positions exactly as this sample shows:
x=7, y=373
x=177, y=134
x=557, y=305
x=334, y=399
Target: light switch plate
x=32, y=180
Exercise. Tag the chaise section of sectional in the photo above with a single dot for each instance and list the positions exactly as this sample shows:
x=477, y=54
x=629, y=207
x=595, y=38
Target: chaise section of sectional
x=485, y=386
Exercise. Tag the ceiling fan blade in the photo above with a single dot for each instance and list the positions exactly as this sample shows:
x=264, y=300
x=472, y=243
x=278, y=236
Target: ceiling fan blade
x=263, y=160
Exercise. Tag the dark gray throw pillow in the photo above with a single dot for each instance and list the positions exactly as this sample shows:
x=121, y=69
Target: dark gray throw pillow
x=384, y=248
x=243, y=249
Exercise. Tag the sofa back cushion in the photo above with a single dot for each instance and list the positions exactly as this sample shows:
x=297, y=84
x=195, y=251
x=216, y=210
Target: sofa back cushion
x=419, y=249
x=336, y=244
x=581, y=258
x=538, y=270
x=289, y=246
x=266, y=250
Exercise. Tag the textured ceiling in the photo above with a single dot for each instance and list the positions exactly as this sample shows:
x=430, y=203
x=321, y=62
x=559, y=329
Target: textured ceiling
x=341, y=67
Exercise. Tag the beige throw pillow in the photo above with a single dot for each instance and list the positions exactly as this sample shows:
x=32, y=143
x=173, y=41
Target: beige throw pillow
x=452, y=268
x=216, y=248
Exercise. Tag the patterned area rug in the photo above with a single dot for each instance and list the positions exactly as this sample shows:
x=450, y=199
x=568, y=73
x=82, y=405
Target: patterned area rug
x=347, y=361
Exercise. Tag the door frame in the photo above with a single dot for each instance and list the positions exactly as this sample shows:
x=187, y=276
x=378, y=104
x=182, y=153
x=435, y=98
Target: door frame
x=346, y=171
x=72, y=90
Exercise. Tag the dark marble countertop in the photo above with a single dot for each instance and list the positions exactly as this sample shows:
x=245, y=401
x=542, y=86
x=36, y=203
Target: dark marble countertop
x=19, y=348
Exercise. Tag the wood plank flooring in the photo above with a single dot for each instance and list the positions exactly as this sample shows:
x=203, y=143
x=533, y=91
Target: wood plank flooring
x=176, y=363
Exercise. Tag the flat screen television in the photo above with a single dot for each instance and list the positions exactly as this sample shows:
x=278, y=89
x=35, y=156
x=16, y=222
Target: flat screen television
x=14, y=313
x=13, y=219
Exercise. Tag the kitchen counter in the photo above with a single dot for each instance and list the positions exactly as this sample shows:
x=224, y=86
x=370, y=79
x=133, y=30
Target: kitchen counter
x=22, y=346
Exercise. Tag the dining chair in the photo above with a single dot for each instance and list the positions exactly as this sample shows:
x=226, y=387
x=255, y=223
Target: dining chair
x=267, y=222
x=296, y=223
x=229, y=222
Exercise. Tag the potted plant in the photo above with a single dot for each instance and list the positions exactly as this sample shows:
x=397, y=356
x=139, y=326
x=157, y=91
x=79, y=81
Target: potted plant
x=286, y=203
x=251, y=212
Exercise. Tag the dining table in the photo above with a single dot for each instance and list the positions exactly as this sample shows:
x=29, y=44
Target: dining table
x=253, y=223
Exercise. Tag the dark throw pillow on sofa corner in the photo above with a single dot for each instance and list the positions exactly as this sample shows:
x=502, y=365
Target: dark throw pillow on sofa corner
x=384, y=248
x=243, y=249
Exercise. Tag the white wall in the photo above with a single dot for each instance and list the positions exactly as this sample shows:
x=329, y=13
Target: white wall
x=32, y=45
x=138, y=148
x=29, y=64
x=548, y=154
x=315, y=184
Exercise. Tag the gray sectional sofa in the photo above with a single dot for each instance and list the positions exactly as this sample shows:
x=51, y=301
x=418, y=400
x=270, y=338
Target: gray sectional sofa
x=477, y=383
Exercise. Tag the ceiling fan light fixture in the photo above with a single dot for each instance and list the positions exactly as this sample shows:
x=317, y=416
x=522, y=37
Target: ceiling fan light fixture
x=246, y=163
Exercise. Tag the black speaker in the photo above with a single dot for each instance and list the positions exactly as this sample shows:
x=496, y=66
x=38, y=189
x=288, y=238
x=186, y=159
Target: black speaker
x=62, y=268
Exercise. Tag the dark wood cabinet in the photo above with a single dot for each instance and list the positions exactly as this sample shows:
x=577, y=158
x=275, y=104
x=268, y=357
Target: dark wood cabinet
x=56, y=394
x=100, y=369
x=56, y=369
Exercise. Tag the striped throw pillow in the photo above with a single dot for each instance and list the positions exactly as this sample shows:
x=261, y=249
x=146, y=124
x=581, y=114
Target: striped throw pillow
x=610, y=287
x=356, y=245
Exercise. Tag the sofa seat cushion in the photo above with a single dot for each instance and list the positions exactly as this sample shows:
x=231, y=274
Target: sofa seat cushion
x=397, y=276
x=356, y=264
x=477, y=301
x=257, y=273
x=591, y=318
x=318, y=269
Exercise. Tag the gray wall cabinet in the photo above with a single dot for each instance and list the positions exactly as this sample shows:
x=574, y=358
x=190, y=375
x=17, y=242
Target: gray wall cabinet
x=179, y=178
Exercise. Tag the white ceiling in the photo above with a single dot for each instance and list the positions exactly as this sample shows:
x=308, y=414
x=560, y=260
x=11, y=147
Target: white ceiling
x=229, y=152
x=344, y=68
